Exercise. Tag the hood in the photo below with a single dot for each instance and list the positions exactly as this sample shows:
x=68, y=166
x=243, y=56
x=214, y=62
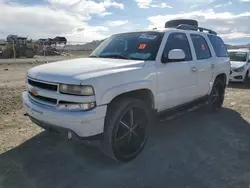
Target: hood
x=237, y=64
x=76, y=70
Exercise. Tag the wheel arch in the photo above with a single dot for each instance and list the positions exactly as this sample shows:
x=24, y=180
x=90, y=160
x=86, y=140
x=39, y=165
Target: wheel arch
x=222, y=76
x=143, y=94
x=138, y=90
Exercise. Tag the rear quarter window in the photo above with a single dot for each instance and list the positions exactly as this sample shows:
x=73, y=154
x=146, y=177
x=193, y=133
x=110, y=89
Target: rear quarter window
x=218, y=45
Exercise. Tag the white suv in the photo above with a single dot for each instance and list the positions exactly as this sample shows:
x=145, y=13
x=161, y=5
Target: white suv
x=115, y=92
x=240, y=65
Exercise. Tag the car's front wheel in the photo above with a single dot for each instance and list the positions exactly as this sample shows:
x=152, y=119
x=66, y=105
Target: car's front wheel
x=126, y=129
x=246, y=79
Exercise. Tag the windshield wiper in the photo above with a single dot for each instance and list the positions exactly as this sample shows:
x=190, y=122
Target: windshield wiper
x=115, y=56
x=93, y=56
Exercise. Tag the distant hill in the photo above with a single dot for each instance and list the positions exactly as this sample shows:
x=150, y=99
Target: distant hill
x=238, y=46
x=84, y=47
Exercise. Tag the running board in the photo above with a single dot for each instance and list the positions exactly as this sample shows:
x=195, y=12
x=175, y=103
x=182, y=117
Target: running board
x=182, y=109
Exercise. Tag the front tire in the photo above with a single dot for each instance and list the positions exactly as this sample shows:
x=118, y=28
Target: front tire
x=126, y=129
x=217, y=95
x=29, y=53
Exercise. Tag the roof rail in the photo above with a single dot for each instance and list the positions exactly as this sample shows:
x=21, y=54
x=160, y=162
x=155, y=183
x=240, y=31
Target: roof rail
x=190, y=27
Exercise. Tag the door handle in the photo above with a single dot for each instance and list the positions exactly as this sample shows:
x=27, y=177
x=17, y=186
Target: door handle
x=212, y=66
x=193, y=69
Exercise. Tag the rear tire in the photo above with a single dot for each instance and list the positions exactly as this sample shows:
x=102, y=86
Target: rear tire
x=216, y=97
x=126, y=129
x=29, y=53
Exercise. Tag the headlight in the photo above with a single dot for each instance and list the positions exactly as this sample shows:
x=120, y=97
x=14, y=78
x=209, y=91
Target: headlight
x=76, y=90
x=240, y=69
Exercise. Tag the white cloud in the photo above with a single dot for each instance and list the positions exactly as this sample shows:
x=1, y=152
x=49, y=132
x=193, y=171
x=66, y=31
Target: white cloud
x=143, y=3
x=161, y=5
x=227, y=24
x=245, y=0
x=223, y=5
x=116, y=23
x=197, y=1
x=194, y=6
x=44, y=21
x=86, y=7
x=149, y=3
x=235, y=35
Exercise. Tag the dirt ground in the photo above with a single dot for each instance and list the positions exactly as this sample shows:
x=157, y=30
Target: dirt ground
x=197, y=150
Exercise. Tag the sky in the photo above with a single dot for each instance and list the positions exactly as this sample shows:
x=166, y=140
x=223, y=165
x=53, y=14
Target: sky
x=86, y=20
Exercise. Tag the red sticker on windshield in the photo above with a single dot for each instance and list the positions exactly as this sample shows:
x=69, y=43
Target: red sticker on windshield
x=142, y=46
x=203, y=47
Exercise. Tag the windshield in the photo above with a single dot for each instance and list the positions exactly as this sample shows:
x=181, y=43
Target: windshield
x=238, y=56
x=136, y=46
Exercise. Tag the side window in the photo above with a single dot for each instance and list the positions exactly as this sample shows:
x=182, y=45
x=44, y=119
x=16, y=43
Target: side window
x=218, y=45
x=201, y=47
x=177, y=41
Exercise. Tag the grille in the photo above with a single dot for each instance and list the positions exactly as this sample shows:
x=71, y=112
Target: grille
x=44, y=99
x=42, y=85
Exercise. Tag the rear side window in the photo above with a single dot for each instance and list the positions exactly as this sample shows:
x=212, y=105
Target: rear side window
x=178, y=41
x=218, y=45
x=201, y=47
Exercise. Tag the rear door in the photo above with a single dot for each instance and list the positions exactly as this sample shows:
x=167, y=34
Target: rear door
x=204, y=64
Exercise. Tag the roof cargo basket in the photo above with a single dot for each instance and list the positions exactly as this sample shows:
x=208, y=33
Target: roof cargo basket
x=176, y=23
x=187, y=24
x=190, y=27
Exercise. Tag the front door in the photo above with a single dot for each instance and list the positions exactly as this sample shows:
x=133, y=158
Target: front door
x=177, y=80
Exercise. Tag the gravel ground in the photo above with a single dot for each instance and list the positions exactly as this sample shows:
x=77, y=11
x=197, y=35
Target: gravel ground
x=197, y=150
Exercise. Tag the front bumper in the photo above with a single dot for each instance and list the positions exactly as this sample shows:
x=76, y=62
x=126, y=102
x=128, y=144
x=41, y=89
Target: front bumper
x=237, y=76
x=81, y=123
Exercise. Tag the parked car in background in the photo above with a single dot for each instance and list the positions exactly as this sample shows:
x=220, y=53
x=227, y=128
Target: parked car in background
x=240, y=65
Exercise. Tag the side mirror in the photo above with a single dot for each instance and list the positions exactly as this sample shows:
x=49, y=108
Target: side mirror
x=176, y=55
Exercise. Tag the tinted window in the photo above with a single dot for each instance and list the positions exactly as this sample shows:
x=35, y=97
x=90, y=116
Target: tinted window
x=178, y=41
x=219, y=46
x=138, y=45
x=201, y=47
x=238, y=56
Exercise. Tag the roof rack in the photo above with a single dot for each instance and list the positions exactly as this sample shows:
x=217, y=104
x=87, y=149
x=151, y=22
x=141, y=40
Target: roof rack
x=194, y=28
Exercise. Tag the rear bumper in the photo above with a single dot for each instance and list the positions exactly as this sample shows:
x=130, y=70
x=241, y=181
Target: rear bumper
x=81, y=123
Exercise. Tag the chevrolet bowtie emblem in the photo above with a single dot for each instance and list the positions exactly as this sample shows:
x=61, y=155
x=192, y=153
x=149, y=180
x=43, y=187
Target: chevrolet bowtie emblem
x=33, y=91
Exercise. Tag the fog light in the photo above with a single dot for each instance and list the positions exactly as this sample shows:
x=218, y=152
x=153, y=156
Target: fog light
x=76, y=106
x=70, y=135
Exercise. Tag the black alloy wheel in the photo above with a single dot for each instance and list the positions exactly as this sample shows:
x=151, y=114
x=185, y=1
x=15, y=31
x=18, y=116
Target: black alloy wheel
x=217, y=95
x=126, y=129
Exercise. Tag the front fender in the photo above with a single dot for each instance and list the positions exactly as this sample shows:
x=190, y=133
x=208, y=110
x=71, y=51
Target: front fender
x=113, y=92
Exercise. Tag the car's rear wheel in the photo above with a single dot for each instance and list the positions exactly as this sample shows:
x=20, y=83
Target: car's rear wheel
x=216, y=97
x=126, y=129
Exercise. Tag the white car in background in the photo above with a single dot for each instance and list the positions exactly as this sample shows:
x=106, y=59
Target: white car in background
x=240, y=65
